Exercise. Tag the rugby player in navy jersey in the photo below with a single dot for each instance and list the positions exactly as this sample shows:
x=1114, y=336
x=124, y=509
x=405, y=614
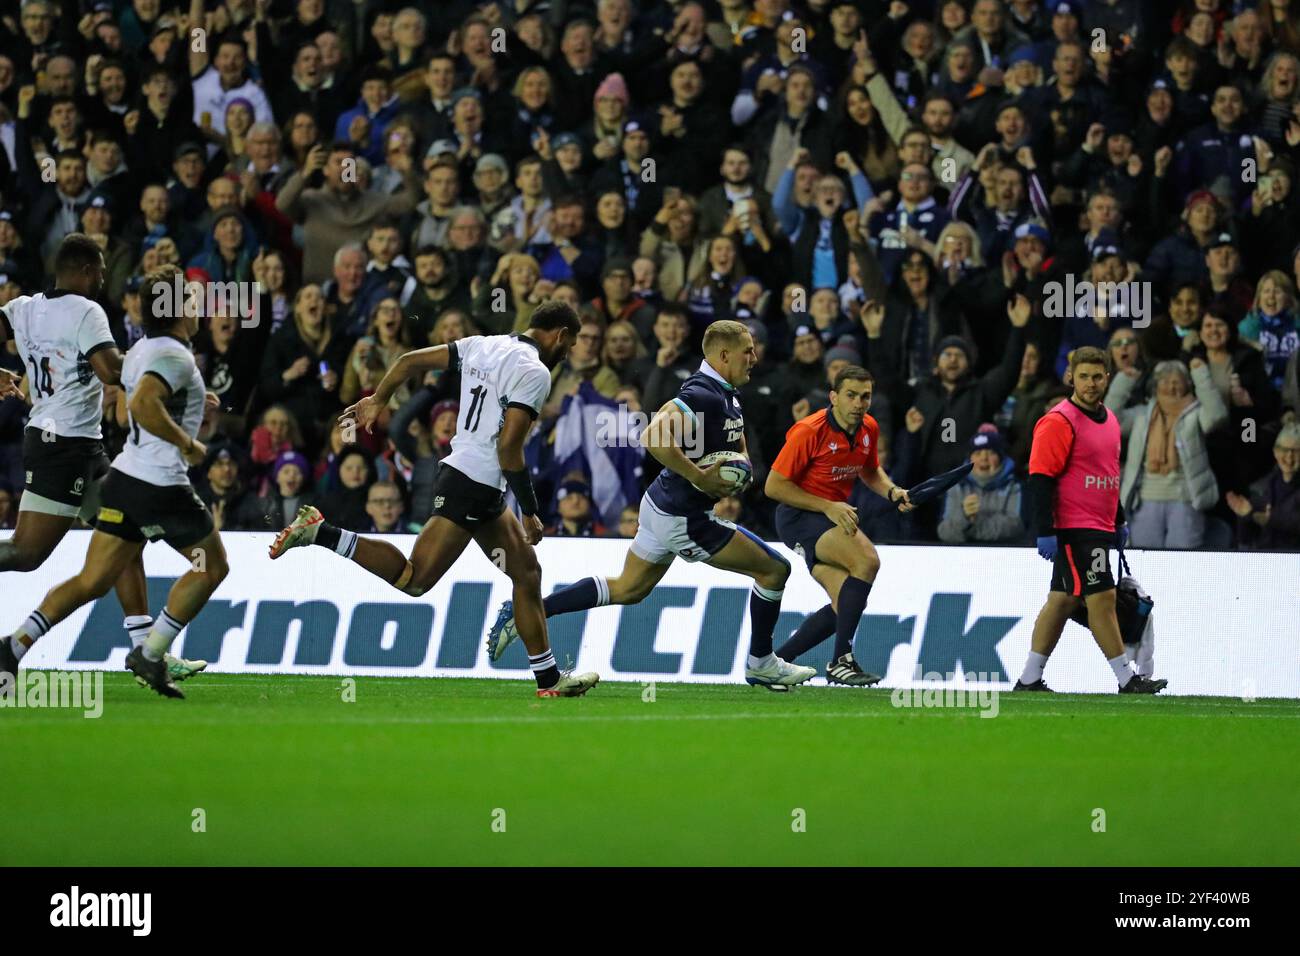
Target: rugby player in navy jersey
x=677, y=520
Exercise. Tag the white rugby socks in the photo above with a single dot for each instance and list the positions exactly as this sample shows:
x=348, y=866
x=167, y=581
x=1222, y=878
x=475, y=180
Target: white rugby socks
x=1033, y=668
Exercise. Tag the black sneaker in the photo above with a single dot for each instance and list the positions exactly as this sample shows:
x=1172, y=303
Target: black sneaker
x=8, y=665
x=846, y=671
x=151, y=673
x=1143, y=685
x=1036, y=685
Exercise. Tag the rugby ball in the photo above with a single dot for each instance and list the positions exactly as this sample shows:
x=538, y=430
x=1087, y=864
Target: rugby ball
x=735, y=469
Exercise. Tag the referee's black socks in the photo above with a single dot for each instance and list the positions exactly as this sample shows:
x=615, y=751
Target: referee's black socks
x=853, y=601
x=816, y=627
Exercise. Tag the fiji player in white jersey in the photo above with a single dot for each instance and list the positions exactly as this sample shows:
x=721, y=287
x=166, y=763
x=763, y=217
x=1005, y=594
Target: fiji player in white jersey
x=147, y=495
x=68, y=354
x=504, y=381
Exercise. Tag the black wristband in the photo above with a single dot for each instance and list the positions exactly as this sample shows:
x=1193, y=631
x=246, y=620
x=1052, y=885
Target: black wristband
x=522, y=485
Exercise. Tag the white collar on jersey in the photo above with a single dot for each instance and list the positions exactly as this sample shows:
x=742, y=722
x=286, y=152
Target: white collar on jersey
x=711, y=372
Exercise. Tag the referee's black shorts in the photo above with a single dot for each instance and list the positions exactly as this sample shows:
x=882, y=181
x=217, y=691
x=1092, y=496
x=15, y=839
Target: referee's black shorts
x=799, y=530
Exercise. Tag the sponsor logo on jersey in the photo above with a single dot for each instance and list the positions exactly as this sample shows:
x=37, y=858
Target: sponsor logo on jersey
x=111, y=515
x=78, y=485
x=439, y=501
x=1092, y=577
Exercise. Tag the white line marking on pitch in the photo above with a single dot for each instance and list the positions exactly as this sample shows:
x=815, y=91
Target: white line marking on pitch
x=965, y=712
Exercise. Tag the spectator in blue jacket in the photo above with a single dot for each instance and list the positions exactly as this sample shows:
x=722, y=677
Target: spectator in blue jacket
x=363, y=126
x=1211, y=156
x=984, y=507
x=1095, y=327
x=916, y=220
x=1180, y=257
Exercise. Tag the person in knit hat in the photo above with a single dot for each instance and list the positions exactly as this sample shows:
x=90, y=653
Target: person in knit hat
x=220, y=485
x=282, y=499
x=442, y=426
x=841, y=355
x=603, y=136
x=984, y=507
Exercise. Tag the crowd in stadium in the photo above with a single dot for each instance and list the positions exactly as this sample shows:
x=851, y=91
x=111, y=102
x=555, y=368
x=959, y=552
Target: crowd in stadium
x=914, y=187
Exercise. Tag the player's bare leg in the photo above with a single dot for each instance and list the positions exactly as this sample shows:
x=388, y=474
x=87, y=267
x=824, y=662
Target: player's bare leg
x=856, y=556
x=747, y=555
x=439, y=544
x=190, y=592
x=35, y=537
x=208, y=568
x=105, y=560
x=132, y=589
x=503, y=538
x=637, y=579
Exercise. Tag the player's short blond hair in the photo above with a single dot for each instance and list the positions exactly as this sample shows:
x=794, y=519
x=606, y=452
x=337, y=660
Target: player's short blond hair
x=725, y=333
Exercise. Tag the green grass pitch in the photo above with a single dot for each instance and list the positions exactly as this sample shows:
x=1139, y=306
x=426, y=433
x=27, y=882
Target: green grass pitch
x=417, y=771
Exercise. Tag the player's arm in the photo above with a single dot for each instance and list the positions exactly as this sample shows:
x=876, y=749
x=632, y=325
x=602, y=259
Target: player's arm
x=106, y=363
x=1048, y=455
x=211, y=410
x=510, y=455
x=149, y=411
x=523, y=396
x=119, y=410
x=95, y=341
x=662, y=438
x=782, y=489
x=791, y=463
x=879, y=482
x=411, y=365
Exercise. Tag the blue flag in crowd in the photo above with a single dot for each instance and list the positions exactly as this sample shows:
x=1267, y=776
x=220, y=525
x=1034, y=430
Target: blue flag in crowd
x=602, y=439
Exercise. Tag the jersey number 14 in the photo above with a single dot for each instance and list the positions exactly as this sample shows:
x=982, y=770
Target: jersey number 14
x=41, y=381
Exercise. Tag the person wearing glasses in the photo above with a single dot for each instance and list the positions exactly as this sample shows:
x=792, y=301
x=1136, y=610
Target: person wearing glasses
x=915, y=222
x=1268, y=519
x=1126, y=355
x=384, y=506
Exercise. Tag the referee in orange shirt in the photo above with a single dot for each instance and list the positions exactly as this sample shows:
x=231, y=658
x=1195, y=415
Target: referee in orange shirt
x=824, y=454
